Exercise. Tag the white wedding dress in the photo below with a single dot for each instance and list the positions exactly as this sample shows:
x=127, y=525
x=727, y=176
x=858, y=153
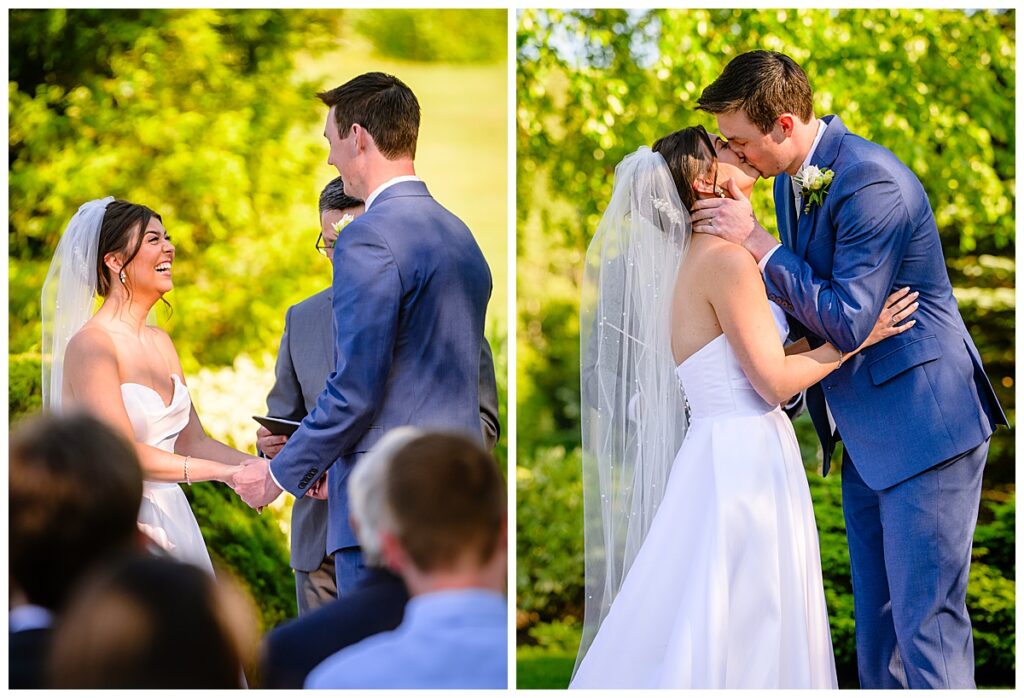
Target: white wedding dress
x=726, y=589
x=165, y=515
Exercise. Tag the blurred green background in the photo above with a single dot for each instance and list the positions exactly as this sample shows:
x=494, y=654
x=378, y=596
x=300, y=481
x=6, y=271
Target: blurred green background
x=210, y=118
x=936, y=87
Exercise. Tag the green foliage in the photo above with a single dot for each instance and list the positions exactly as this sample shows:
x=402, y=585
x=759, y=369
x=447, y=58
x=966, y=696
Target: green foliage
x=991, y=592
x=415, y=35
x=195, y=113
x=991, y=602
x=252, y=546
x=24, y=385
x=549, y=522
x=557, y=637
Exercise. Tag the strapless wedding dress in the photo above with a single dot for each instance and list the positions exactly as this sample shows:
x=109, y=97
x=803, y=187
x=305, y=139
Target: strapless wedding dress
x=165, y=515
x=726, y=589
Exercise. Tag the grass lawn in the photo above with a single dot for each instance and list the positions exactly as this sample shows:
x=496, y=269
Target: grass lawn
x=534, y=670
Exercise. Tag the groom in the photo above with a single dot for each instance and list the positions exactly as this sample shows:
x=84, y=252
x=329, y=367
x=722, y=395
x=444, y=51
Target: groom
x=915, y=411
x=408, y=307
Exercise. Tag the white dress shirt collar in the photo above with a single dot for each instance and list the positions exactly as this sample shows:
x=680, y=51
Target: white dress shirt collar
x=807, y=161
x=814, y=146
x=394, y=180
x=810, y=153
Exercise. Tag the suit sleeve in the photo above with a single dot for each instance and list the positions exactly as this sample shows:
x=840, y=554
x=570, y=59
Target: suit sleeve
x=873, y=227
x=285, y=398
x=367, y=299
x=489, y=423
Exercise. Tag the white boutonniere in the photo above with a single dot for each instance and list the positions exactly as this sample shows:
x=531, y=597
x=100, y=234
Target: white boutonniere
x=345, y=220
x=813, y=185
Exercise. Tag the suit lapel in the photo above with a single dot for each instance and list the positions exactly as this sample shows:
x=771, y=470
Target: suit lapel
x=824, y=156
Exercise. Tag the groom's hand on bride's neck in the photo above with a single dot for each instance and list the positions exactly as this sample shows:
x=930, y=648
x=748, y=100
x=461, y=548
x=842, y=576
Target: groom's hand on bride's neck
x=732, y=219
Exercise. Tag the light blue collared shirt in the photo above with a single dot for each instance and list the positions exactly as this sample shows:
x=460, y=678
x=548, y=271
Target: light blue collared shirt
x=447, y=639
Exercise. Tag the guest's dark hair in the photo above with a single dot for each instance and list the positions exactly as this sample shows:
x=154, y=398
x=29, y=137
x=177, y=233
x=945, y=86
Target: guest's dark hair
x=75, y=491
x=384, y=106
x=148, y=622
x=764, y=84
x=447, y=499
x=334, y=198
x=690, y=156
x=120, y=220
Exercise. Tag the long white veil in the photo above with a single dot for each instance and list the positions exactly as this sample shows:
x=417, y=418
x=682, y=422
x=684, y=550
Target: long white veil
x=69, y=293
x=633, y=414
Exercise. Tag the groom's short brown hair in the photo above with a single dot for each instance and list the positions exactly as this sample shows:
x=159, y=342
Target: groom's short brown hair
x=764, y=84
x=384, y=106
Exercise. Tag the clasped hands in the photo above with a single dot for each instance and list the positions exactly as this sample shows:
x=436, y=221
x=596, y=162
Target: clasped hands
x=253, y=483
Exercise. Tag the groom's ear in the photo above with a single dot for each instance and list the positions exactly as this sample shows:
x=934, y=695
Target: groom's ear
x=362, y=136
x=786, y=123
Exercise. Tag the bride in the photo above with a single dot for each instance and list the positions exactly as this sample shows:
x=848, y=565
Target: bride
x=702, y=562
x=125, y=371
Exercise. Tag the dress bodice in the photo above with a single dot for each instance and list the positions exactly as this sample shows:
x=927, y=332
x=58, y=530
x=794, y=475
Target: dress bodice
x=713, y=380
x=153, y=422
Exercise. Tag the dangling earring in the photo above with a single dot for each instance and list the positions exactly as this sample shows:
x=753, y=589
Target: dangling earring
x=121, y=276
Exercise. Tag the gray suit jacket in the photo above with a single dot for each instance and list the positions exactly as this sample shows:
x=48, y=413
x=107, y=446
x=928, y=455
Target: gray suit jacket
x=304, y=361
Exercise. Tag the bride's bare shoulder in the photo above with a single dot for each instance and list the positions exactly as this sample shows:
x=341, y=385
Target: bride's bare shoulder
x=720, y=259
x=91, y=342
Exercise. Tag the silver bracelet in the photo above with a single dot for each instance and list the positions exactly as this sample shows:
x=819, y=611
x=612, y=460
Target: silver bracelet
x=187, y=481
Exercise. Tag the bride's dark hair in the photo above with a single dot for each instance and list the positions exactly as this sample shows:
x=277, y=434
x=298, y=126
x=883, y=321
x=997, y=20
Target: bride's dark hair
x=119, y=221
x=690, y=155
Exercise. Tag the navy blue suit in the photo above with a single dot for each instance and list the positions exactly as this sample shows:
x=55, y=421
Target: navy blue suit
x=292, y=650
x=410, y=294
x=914, y=412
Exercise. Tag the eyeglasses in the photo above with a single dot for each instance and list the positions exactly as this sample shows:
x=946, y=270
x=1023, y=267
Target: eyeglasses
x=322, y=247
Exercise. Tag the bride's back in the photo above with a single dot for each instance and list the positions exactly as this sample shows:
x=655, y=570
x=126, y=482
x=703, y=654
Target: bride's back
x=694, y=321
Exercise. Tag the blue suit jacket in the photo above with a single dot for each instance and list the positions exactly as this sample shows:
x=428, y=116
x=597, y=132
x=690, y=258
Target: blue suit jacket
x=910, y=401
x=410, y=290
x=292, y=650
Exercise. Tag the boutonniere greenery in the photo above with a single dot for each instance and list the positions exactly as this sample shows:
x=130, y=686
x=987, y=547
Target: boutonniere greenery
x=813, y=185
x=345, y=220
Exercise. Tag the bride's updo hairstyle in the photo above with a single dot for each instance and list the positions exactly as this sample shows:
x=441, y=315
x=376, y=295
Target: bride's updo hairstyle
x=690, y=156
x=120, y=220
